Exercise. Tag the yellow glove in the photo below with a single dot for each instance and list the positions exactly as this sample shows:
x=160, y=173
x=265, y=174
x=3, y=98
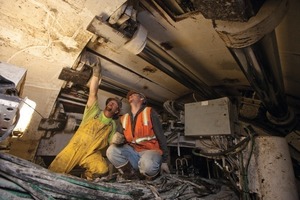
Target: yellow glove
x=164, y=168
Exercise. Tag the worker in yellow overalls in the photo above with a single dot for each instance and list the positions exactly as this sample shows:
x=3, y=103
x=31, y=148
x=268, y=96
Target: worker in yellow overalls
x=94, y=132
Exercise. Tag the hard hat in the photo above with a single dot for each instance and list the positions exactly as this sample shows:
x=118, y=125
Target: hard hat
x=131, y=92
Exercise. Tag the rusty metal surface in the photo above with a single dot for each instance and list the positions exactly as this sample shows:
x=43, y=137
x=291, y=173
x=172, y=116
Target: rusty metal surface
x=241, y=10
x=78, y=77
x=227, y=10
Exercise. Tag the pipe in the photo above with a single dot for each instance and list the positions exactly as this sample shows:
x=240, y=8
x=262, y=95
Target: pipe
x=270, y=173
x=153, y=54
x=261, y=65
x=166, y=63
x=254, y=47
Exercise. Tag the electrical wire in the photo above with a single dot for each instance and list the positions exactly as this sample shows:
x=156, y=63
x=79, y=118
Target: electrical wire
x=232, y=150
x=21, y=179
x=41, y=183
x=32, y=108
x=233, y=161
x=194, y=97
x=202, y=141
x=170, y=107
x=245, y=184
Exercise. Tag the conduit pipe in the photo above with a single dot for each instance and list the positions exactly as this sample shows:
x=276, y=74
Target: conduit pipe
x=271, y=174
x=254, y=47
x=153, y=54
x=140, y=45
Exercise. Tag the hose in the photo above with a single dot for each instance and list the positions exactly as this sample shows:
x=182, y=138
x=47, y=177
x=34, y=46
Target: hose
x=23, y=180
x=23, y=177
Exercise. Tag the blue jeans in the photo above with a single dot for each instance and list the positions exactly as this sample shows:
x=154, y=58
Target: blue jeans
x=147, y=162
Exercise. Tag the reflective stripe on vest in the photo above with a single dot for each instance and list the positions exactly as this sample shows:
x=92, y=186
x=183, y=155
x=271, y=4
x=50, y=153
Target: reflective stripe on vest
x=145, y=122
x=124, y=121
x=139, y=140
x=145, y=116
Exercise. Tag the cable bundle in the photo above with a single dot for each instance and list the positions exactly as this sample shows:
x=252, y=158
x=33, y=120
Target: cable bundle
x=21, y=179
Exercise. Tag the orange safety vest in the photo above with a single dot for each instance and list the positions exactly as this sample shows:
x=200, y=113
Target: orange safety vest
x=144, y=137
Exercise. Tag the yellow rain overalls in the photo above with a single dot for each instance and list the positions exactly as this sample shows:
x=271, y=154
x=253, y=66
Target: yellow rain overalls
x=84, y=147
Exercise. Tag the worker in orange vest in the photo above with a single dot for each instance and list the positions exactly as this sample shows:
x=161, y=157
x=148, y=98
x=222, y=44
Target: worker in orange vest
x=142, y=147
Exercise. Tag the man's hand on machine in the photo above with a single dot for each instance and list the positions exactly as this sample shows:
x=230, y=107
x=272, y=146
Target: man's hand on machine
x=93, y=61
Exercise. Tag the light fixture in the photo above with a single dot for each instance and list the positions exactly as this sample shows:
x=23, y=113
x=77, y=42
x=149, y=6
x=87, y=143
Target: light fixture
x=26, y=109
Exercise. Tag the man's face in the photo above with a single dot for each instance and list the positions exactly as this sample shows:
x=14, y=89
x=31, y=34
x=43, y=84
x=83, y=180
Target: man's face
x=112, y=106
x=134, y=97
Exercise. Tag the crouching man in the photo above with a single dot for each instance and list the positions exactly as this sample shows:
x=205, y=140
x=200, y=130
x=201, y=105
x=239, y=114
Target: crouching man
x=141, y=150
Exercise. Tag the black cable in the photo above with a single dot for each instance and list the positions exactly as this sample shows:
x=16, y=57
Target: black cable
x=248, y=129
x=32, y=108
x=222, y=153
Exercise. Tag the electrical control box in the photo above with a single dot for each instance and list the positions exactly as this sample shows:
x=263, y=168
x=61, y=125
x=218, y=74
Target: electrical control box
x=210, y=118
x=12, y=80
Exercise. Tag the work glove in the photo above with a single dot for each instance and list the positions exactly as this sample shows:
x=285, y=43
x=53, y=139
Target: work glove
x=117, y=138
x=93, y=61
x=164, y=168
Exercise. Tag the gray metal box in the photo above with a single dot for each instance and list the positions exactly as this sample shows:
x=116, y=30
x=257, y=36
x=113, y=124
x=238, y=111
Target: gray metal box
x=213, y=117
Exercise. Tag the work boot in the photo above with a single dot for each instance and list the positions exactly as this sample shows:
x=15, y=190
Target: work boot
x=92, y=176
x=151, y=178
x=111, y=175
x=127, y=173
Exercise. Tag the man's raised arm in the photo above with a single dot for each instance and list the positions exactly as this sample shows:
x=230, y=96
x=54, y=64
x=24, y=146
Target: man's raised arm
x=94, y=62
